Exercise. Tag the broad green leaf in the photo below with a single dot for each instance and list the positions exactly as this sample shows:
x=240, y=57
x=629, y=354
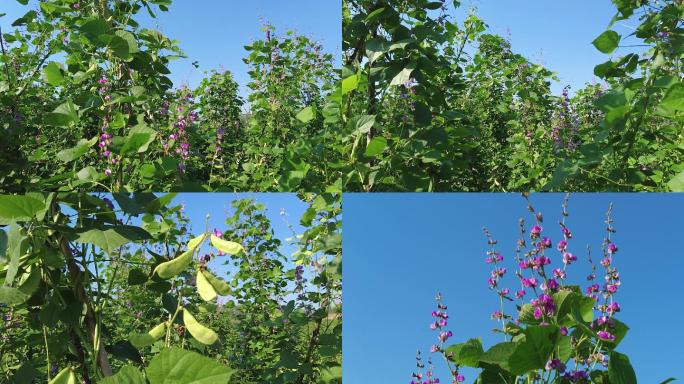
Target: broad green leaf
x=19, y=208
x=128, y=374
x=221, y=287
x=363, y=123
x=672, y=104
x=30, y=281
x=138, y=140
x=404, y=75
x=74, y=153
x=205, y=289
x=136, y=276
x=17, y=246
x=499, y=354
x=203, y=334
x=349, y=84
x=676, y=184
x=535, y=349
x=63, y=116
x=65, y=376
x=620, y=369
x=376, y=146
x=178, y=366
x=229, y=247
x=12, y=296
x=607, y=42
x=467, y=353
x=53, y=74
x=305, y=115
x=140, y=340
x=112, y=238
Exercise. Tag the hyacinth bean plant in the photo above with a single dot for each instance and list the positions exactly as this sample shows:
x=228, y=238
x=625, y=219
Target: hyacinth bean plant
x=436, y=103
x=86, y=102
x=125, y=289
x=553, y=331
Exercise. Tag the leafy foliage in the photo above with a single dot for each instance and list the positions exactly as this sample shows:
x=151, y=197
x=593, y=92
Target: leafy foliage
x=86, y=103
x=93, y=291
x=431, y=104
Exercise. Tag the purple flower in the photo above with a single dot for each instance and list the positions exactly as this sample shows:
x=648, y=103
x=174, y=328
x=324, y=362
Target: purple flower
x=529, y=283
x=562, y=245
x=605, y=335
x=535, y=231
x=612, y=248
x=566, y=233
x=555, y=364
x=569, y=258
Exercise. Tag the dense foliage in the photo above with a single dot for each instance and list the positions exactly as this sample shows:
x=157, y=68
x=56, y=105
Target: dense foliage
x=86, y=101
x=431, y=104
x=130, y=291
x=553, y=330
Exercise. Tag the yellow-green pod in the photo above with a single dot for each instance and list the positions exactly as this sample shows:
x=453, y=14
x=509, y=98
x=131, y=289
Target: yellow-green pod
x=204, y=287
x=221, y=287
x=173, y=267
x=140, y=340
x=229, y=247
x=65, y=376
x=203, y=334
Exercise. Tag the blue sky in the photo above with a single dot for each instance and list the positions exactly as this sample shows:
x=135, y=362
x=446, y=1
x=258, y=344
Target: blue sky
x=557, y=34
x=215, y=32
x=400, y=249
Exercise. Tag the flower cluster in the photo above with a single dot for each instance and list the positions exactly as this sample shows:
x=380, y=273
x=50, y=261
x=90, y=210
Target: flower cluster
x=185, y=116
x=105, y=137
x=439, y=324
x=565, y=131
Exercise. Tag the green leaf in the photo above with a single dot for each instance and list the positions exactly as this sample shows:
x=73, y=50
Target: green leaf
x=467, y=353
x=128, y=374
x=229, y=247
x=620, y=369
x=65, y=376
x=19, y=208
x=178, y=366
x=63, y=116
x=672, y=104
x=305, y=115
x=74, y=153
x=136, y=276
x=205, y=289
x=499, y=354
x=363, y=123
x=203, y=334
x=349, y=84
x=12, y=296
x=676, y=183
x=92, y=29
x=53, y=74
x=607, y=42
x=138, y=140
x=112, y=238
x=404, y=75
x=17, y=245
x=376, y=146
x=671, y=379
x=534, y=351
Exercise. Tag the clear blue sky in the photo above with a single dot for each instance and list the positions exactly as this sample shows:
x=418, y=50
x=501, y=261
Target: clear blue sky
x=400, y=249
x=557, y=34
x=214, y=32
